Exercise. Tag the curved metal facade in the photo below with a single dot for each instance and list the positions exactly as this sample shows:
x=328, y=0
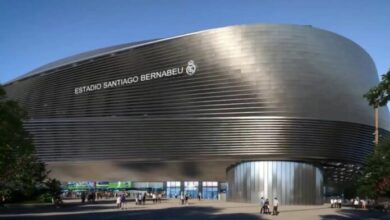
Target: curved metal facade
x=259, y=92
x=290, y=182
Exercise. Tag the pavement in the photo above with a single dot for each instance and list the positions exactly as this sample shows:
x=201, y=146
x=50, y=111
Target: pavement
x=172, y=210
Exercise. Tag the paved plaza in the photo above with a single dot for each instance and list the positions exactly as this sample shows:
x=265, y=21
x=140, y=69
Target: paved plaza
x=171, y=209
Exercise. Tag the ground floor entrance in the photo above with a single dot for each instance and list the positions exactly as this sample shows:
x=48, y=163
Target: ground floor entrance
x=210, y=190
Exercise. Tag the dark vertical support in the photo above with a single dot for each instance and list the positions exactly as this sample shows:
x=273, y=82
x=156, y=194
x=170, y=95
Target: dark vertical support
x=165, y=186
x=181, y=187
x=376, y=141
x=200, y=187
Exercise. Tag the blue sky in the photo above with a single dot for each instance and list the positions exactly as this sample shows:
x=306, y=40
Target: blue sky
x=35, y=32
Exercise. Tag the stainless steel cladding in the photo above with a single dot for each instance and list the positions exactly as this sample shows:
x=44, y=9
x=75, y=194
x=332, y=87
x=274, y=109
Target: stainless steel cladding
x=250, y=92
x=290, y=182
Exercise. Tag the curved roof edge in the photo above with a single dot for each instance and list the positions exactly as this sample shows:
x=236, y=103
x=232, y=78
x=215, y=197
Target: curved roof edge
x=79, y=57
x=121, y=47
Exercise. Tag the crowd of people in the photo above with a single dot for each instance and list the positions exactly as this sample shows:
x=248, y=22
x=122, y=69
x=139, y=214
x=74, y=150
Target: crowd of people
x=90, y=196
x=184, y=199
x=362, y=203
x=97, y=194
x=335, y=203
x=139, y=198
x=357, y=203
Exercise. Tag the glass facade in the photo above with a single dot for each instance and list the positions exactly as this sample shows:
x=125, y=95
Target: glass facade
x=191, y=188
x=173, y=189
x=149, y=186
x=209, y=190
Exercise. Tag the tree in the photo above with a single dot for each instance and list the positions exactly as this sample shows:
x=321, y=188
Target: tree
x=21, y=173
x=51, y=192
x=54, y=189
x=375, y=179
x=379, y=95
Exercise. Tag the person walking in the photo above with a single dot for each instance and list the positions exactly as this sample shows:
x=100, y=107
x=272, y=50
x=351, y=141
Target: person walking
x=123, y=201
x=140, y=198
x=356, y=203
x=154, y=198
x=199, y=196
x=275, y=206
x=363, y=202
x=144, y=198
x=339, y=201
x=83, y=197
x=266, y=207
x=262, y=205
x=118, y=201
x=182, y=199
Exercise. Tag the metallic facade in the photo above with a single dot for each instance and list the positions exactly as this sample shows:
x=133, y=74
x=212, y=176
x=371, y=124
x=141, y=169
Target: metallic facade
x=290, y=182
x=260, y=92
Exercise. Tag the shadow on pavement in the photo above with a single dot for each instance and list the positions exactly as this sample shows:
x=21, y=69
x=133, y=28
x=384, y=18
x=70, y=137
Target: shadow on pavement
x=187, y=212
x=347, y=214
x=67, y=207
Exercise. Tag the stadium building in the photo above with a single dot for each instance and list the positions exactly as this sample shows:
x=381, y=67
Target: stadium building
x=258, y=110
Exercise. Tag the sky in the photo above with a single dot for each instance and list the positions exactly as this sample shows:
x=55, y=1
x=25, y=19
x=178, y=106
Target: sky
x=36, y=32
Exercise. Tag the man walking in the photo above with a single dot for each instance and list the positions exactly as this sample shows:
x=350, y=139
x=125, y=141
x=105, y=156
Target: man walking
x=261, y=205
x=275, y=209
x=182, y=198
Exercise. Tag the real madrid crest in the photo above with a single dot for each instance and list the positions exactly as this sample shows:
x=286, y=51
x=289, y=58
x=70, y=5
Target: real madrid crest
x=191, y=68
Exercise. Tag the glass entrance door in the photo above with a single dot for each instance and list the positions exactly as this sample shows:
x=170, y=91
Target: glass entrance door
x=173, y=189
x=210, y=190
x=191, y=188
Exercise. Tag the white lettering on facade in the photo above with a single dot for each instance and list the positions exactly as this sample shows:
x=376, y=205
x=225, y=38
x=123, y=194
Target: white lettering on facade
x=133, y=79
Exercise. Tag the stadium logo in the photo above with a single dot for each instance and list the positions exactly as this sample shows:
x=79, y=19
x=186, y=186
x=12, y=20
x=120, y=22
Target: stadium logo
x=191, y=68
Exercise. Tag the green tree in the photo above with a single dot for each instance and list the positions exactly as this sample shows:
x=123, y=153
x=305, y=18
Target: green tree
x=51, y=192
x=379, y=95
x=21, y=173
x=375, y=180
x=53, y=188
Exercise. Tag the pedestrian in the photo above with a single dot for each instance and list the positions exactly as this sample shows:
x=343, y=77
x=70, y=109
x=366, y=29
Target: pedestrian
x=159, y=198
x=275, y=207
x=331, y=202
x=262, y=205
x=182, y=199
x=199, y=196
x=186, y=197
x=154, y=198
x=123, y=201
x=140, y=198
x=83, y=197
x=339, y=201
x=356, y=203
x=144, y=198
x=266, y=207
x=2, y=201
x=136, y=199
x=118, y=201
